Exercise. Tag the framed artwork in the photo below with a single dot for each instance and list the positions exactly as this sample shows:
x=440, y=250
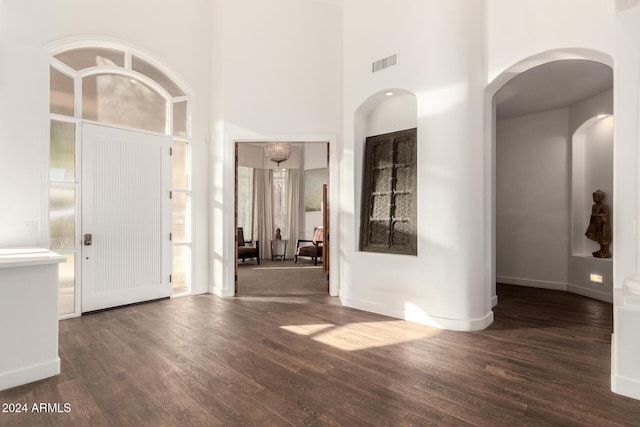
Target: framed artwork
x=314, y=179
x=389, y=208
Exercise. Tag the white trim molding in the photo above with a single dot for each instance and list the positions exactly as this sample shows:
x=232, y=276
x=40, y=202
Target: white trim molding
x=406, y=313
x=532, y=283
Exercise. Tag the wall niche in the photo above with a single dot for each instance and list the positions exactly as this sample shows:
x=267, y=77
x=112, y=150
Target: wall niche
x=385, y=207
x=592, y=169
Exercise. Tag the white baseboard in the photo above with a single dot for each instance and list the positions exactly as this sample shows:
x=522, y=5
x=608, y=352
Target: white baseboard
x=216, y=290
x=422, y=318
x=29, y=374
x=591, y=293
x=494, y=301
x=558, y=286
x=625, y=386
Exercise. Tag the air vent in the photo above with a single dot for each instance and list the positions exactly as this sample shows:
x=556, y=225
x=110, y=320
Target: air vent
x=387, y=62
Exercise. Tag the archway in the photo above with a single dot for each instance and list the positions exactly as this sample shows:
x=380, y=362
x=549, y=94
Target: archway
x=490, y=140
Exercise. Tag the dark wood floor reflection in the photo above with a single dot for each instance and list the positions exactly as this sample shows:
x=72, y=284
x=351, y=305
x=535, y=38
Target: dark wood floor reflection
x=299, y=358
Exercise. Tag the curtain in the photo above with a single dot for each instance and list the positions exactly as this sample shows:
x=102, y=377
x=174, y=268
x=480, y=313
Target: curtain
x=263, y=210
x=293, y=209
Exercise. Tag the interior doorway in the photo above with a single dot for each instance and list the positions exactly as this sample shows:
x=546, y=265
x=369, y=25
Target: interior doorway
x=535, y=114
x=281, y=206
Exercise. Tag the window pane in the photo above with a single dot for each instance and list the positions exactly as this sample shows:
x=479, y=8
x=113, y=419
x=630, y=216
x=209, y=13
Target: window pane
x=62, y=217
x=180, y=165
x=61, y=93
x=180, y=217
x=181, y=268
x=143, y=67
x=280, y=201
x=180, y=118
x=62, y=152
x=124, y=101
x=245, y=200
x=86, y=57
x=67, y=285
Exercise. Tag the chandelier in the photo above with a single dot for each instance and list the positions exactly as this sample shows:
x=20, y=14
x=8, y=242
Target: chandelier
x=277, y=151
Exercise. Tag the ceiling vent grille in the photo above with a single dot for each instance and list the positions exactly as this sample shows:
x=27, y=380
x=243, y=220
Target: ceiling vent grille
x=387, y=62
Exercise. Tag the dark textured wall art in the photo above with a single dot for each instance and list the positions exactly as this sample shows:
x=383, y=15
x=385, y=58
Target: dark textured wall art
x=389, y=202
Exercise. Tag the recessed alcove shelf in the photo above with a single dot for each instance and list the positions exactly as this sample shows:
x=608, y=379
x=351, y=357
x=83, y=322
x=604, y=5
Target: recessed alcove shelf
x=591, y=170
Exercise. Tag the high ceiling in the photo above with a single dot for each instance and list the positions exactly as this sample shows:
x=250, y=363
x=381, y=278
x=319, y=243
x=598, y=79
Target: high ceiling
x=553, y=85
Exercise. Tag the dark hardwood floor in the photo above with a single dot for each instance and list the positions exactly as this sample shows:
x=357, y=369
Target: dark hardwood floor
x=291, y=355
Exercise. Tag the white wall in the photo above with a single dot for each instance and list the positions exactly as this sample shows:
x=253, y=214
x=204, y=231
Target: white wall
x=281, y=66
x=541, y=214
x=592, y=107
x=315, y=157
x=520, y=37
x=532, y=199
x=625, y=351
x=174, y=34
x=439, y=48
x=516, y=30
x=592, y=164
x=392, y=114
x=280, y=79
x=594, y=170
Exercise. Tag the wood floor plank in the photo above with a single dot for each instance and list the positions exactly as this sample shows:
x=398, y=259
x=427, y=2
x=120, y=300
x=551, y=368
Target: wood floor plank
x=283, y=353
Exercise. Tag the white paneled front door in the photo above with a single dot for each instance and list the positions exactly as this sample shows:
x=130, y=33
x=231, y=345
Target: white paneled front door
x=126, y=217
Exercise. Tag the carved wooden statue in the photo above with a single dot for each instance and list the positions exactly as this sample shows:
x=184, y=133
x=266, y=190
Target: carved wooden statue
x=600, y=225
x=278, y=235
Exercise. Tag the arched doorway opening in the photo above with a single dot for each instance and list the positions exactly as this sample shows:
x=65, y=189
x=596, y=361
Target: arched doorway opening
x=576, y=157
x=557, y=104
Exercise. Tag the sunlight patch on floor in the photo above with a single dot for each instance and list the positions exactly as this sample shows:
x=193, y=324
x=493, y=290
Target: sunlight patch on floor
x=308, y=329
x=283, y=299
x=364, y=335
x=283, y=268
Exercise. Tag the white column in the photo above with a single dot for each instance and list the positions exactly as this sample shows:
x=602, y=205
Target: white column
x=625, y=350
